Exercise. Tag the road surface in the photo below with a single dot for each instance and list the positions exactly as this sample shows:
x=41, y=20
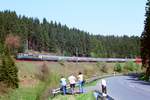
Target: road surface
x=125, y=88
x=128, y=88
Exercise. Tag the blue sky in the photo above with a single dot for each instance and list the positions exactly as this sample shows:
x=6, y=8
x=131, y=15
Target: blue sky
x=105, y=17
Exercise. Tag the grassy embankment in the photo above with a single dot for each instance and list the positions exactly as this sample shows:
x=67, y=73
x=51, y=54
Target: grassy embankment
x=87, y=96
x=31, y=88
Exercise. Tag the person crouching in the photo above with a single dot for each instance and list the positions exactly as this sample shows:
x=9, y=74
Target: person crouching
x=104, y=88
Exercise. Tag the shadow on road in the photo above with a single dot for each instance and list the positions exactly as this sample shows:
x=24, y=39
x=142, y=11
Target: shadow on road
x=135, y=79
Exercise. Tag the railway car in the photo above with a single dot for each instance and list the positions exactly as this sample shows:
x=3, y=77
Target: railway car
x=46, y=57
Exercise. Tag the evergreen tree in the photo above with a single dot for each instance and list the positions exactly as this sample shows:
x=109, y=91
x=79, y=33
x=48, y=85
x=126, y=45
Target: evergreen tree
x=59, y=39
x=145, y=41
x=8, y=70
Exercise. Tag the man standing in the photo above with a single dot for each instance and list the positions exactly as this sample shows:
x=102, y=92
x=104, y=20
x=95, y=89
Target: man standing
x=72, y=81
x=80, y=80
x=63, y=84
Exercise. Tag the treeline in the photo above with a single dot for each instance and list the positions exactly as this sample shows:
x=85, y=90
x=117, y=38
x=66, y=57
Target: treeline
x=56, y=38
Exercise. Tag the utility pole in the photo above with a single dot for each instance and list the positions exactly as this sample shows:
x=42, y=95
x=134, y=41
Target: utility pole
x=26, y=46
x=76, y=56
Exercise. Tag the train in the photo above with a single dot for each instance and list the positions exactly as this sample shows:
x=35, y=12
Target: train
x=48, y=57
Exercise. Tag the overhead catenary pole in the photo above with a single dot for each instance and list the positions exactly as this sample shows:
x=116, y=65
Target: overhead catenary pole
x=76, y=56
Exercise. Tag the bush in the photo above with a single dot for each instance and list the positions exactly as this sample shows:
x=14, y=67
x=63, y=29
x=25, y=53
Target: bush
x=43, y=73
x=137, y=67
x=53, y=82
x=49, y=80
x=118, y=67
x=61, y=62
x=13, y=43
x=129, y=66
x=143, y=77
x=104, y=67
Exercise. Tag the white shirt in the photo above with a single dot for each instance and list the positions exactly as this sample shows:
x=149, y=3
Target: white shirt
x=80, y=77
x=63, y=82
x=103, y=82
x=72, y=79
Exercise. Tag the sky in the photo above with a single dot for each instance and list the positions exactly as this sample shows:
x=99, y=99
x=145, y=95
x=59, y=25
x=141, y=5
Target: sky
x=104, y=17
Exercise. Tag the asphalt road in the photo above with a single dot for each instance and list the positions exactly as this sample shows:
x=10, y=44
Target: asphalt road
x=127, y=88
x=124, y=88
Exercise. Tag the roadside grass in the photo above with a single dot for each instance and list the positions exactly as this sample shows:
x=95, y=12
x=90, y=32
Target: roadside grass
x=86, y=96
x=32, y=93
x=92, y=83
x=23, y=93
x=31, y=88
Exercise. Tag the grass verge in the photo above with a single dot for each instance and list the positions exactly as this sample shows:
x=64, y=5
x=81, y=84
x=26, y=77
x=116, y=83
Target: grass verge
x=86, y=96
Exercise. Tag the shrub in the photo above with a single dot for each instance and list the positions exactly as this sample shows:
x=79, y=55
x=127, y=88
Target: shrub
x=129, y=66
x=118, y=67
x=137, y=67
x=104, y=67
x=43, y=73
x=13, y=43
x=143, y=77
x=98, y=64
x=61, y=62
x=53, y=82
x=49, y=80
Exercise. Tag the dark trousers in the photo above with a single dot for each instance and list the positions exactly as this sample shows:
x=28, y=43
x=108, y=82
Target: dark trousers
x=72, y=86
x=104, y=90
x=63, y=89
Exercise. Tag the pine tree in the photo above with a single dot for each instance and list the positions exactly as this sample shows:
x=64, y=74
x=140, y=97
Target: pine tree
x=8, y=70
x=60, y=39
x=145, y=41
